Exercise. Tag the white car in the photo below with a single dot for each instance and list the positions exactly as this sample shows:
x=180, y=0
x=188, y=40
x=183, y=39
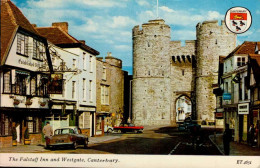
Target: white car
x=108, y=129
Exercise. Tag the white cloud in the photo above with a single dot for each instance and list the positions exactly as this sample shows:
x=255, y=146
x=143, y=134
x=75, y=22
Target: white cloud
x=80, y=3
x=123, y=47
x=180, y=17
x=166, y=9
x=258, y=12
x=121, y=21
x=143, y=3
x=214, y=15
x=103, y=3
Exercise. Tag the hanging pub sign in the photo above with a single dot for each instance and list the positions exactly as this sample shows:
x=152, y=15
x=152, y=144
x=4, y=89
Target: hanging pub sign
x=55, y=84
x=243, y=108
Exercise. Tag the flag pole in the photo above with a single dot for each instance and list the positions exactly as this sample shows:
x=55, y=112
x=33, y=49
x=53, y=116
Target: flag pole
x=157, y=9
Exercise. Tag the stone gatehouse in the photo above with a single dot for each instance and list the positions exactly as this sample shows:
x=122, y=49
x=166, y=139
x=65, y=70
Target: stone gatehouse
x=172, y=82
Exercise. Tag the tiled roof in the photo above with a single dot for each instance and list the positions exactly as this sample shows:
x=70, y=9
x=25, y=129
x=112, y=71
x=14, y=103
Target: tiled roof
x=248, y=47
x=11, y=19
x=255, y=64
x=258, y=45
x=63, y=39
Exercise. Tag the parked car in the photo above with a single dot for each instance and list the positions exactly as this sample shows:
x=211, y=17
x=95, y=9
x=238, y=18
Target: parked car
x=123, y=128
x=67, y=136
x=108, y=129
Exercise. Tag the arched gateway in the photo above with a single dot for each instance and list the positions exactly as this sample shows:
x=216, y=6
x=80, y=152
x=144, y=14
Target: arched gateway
x=183, y=108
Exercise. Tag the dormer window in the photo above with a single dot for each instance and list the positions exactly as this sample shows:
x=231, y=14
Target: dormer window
x=22, y=44
x=241, y=61
x=38, y=50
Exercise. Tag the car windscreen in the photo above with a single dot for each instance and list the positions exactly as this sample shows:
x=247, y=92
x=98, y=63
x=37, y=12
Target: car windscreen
x=63, y=131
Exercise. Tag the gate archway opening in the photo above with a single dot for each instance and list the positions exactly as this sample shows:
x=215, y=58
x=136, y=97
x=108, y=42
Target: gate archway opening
x=183, y=108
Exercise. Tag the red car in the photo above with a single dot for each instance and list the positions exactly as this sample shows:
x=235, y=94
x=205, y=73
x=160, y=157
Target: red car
x=122, y=128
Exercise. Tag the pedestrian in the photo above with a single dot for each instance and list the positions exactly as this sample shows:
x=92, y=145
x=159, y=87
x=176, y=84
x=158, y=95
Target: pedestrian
x=255, y=137
x=227, y=136
x=251, y=134
x=47, y=131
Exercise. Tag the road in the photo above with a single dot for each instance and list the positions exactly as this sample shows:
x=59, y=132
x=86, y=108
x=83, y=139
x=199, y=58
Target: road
x=163, y=141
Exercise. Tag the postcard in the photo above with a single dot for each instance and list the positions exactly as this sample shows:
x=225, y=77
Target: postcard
x=130, y=83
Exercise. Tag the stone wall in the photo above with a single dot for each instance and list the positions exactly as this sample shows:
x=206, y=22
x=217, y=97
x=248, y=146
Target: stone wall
x=115, y=81
x=164, y=70
x=151, y=75
x=213, y=40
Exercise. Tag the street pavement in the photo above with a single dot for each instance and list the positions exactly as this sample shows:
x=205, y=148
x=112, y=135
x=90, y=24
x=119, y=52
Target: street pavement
x=40, y=147
x=236, y=149
x=162, y=137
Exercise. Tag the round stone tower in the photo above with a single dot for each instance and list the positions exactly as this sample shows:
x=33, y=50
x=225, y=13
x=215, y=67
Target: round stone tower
x=213, y=40
x=151, y=91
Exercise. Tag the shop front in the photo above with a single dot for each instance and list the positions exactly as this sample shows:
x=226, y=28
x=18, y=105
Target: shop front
x=231, y=118
x=243, y=113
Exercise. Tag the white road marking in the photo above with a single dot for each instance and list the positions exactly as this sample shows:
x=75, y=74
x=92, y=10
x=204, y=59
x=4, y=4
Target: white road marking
x=174, y=148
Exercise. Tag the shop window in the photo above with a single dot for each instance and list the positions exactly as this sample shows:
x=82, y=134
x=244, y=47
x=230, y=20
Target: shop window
x=22, y=44
x=5, y=125
x=7, y=82
x=34, y=124
x=38, y=50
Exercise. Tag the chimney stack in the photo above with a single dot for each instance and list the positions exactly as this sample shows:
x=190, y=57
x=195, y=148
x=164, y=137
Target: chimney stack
x=62, y=25
x=109, y=54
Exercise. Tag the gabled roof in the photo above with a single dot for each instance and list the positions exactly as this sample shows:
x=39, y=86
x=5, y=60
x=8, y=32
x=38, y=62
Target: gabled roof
x=248, y=47
x=63, y=39
x=11, y=19
x=255, y=65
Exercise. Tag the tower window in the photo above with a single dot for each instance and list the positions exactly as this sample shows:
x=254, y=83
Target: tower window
x=183, y=72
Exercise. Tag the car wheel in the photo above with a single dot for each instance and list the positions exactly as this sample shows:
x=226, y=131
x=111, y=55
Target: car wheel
x=85, y=143
x=75, y=145
x=110, y=130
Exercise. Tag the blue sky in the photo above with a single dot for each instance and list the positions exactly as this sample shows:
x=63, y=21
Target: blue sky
x=106, y=25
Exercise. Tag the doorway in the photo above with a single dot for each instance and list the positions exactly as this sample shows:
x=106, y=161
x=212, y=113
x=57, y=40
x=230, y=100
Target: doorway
x=183, y=108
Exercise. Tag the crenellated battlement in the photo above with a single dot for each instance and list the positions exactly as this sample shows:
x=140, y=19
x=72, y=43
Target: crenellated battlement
x=153, y=27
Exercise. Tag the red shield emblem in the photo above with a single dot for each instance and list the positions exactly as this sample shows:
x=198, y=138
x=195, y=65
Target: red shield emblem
x=238, y=20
